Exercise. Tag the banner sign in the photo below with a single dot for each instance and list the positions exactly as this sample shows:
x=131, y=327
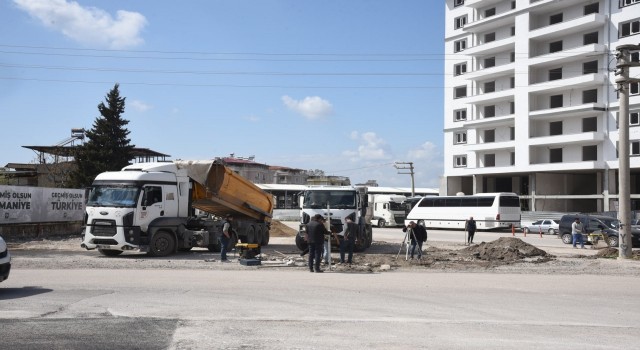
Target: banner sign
x=22, y=204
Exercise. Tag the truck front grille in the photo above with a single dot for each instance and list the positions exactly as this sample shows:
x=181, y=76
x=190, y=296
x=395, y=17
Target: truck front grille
x=104, y=228
x=105, y=241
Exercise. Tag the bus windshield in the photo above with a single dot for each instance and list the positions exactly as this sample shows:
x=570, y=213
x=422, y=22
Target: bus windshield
x=113, y=196
x=335, y=199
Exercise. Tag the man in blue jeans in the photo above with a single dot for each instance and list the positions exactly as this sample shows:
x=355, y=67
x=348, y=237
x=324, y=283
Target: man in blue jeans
x=225, y=237
x=576, y=232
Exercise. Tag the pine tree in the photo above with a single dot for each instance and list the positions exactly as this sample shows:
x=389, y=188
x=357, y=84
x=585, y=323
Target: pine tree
x=107, y=147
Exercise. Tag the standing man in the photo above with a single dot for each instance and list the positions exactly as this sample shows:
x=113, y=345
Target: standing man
x=315, y=238
x=349, y=241
x=576, y=232
x=470, y=227
x=418, y=236
x=225, y=237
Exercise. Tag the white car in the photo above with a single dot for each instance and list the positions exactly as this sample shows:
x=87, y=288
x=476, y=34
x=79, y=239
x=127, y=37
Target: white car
x=545, y=226
x=5, y=260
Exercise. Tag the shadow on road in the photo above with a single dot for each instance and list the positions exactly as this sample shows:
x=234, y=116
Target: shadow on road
x=24, y=292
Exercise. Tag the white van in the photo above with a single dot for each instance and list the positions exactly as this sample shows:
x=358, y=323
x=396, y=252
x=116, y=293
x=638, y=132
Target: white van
x=5, y=260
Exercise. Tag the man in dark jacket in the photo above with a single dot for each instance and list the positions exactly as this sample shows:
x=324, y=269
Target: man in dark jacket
x=315, y=238
x=418, y=235
x=349, y=241
x=470, y=226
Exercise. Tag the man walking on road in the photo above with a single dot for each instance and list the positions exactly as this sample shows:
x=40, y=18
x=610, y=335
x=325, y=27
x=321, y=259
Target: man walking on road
x=576, y=232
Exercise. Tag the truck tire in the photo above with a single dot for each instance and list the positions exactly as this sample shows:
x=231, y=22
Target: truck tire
x=110, y=252
x=259, y=234
x=265, y=237
x=381, y=223
x=301, y=243
x=162, y=244
x=566, y=238
x=251, y=234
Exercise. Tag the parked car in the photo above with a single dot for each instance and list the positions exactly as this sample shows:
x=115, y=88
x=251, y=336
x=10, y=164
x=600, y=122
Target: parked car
x=5, y=260
x=546, y=226
x=594, y=223
x=635, y=223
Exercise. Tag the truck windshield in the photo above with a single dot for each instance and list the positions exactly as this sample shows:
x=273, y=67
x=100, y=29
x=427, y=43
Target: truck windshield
x=113, y=196
x=335, y=199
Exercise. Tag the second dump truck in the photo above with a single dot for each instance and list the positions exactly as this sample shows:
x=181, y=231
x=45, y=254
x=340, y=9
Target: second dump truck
x=153, y=208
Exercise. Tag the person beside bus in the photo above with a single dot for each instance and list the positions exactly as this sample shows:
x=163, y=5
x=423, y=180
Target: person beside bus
x=471, y=227
x=576, y=232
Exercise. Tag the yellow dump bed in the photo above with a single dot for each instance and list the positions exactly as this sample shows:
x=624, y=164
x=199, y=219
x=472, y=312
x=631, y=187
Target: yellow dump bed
x=220, y=191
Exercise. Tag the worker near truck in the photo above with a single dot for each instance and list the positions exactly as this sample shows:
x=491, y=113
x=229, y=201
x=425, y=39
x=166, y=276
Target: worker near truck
x=225, y=237
x=349, y=241
x=315, y=238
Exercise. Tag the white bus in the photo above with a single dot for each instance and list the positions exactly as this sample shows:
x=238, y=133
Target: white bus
x=489, y=210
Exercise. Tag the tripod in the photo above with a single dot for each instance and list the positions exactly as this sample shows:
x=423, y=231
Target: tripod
x=406, y=240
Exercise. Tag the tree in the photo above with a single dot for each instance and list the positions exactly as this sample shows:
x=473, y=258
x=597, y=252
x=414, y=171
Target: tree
x=107, y=147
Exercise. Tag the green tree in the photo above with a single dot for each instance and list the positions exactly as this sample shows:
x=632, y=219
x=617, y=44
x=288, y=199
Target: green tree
x=107, y=147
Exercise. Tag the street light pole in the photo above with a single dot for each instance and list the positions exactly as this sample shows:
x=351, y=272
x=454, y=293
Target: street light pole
x=403, y=166
x=624, y=183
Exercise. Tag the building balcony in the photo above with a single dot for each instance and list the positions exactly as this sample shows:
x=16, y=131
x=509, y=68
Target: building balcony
x=500, y=20
x=569, y=55
x=491, y=122
x=480, y=3
x=492, y=97
x=564, y=29
x=564, y=166
x=567, y=139
x=491, y=146
x=582, y=81
x=493, y=72
x=501, y=45
x=566, y=112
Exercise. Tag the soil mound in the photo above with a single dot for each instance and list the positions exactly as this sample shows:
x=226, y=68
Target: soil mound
x=505, y=249
x=279, y=229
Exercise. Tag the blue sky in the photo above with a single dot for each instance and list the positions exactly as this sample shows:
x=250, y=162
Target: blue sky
x=345, y=86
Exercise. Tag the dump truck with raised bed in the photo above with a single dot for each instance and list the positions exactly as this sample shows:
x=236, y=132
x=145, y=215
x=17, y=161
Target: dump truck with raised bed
x=161, y=208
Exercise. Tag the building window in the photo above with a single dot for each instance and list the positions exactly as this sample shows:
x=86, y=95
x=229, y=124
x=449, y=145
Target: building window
x=457, y=3
x=590, y=67
x=460, y=45
x=460, y=68
x=489, y=62
x=489, y=86
x=490, y=12
x=460, y=91
x=490, y=136
x=555, y=128
x=635, y=148
x=489, y=160
x=512, y=107
x=459, y=161
x=512, y=82
x=635, y=56
x=460, y=137
x=513, y=31
x=512, y=158
x=591, y=8
x=557, y=18
x=512, y=57
x=590, y=124
x=634, y=118
x=489, y=111
x=555, y=46
x=489, y=37
x=460, y=22
x=590, y=96
x=555, y=155
x=460, y=115
x=624, y=3
x=555, y=101
x=513, y=4
x=629, y=28
x=590, y=38
x=634, y=88
x=589, y=153
x=512, y=133
x=555, y=74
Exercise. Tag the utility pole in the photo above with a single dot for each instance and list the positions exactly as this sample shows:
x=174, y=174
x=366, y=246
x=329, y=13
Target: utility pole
x=624, y=193
x=403, y=166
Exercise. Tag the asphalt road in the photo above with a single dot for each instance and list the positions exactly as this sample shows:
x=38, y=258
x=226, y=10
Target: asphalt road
x=293, y=309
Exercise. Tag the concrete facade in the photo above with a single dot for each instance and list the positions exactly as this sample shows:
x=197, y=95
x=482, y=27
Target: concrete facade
x=531, y=105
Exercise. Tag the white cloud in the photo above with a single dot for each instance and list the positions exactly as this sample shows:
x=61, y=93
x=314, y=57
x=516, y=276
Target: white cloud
x=428, y=152
x=252, y=118
x=88, y=25
x=140, y=106
x=371, y=147
x=311, y=107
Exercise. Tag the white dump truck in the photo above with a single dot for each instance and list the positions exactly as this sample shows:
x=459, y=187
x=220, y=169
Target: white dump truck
x=336, y=203
x=151, y=207
x=388, y=209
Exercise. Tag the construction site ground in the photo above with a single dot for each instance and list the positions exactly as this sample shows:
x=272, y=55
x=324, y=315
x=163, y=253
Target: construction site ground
x=506, y=254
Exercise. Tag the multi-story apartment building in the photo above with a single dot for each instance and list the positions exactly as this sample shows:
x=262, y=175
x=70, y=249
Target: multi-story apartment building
x=531, y=104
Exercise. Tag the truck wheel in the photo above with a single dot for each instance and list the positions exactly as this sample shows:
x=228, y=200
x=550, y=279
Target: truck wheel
x=381, y=223
x=265, y=237
x=301, y=243
x=251, y=234
x=566, y=238
x=613, y=241
x=214, y=248
x=162, y=244
x=259, y=235
x=110, y=252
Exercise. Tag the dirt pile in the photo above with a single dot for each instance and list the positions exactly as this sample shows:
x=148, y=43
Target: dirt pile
x=505, y=249
x=278, y=229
